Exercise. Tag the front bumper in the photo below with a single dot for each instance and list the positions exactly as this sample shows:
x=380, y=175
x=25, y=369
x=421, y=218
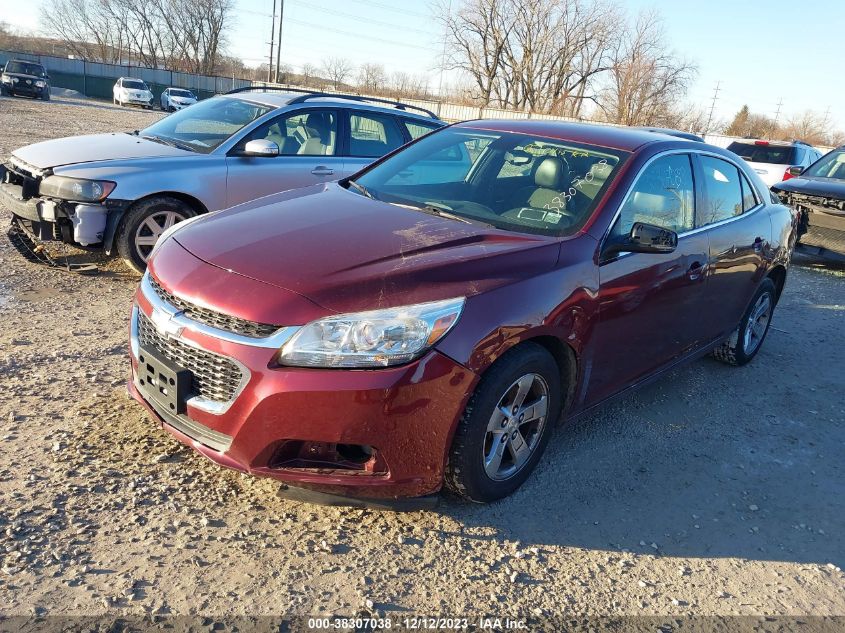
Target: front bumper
x=290, y=423
x=24, y=89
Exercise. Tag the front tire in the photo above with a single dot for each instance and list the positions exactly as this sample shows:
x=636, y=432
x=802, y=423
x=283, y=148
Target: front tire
x=144, y=223
x=506, y=425
x=744, y=343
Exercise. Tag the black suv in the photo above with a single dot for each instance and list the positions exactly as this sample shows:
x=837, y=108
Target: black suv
x=24, y=77
x=818, y=193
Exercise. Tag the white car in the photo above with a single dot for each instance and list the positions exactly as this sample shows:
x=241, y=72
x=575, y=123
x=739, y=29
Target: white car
x=129, y=91
x=174, y=99
x=775, y=161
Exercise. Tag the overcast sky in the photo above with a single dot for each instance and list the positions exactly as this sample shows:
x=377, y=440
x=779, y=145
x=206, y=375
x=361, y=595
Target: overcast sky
x=762, y=51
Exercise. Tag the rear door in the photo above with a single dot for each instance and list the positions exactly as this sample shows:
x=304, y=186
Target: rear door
x=370, y=135
x=651, y=305
x=309, y=146
x=734, y=216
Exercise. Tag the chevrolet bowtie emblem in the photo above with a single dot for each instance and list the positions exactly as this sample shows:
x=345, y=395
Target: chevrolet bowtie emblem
x=164, y=323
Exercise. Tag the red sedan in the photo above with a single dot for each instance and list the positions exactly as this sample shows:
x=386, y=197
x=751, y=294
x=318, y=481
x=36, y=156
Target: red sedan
x=428, y=320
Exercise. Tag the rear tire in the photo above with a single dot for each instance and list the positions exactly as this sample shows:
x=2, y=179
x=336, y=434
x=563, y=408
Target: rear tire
x=744, y=343
x=488, y=458
x=143, y=223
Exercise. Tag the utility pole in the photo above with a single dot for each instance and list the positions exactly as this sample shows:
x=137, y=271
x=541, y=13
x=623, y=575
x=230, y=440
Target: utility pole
x=443, y=59
x=272, y=41
x=712, y=106
x=279, y=46
x=777, y=113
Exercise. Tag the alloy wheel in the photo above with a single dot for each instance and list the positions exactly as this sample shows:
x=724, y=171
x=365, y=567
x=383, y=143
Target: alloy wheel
x=150, y=230
x=515, y=427
x=758, y=322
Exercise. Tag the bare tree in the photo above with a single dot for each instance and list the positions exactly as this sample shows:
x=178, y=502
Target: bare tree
x=646, y=79
x=309, y=72
x=337, y=70
x=180, y=34
x=371, y=77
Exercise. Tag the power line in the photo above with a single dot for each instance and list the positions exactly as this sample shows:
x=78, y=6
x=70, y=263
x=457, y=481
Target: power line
x=358, y=35
x=358, y=18
x=391, y=8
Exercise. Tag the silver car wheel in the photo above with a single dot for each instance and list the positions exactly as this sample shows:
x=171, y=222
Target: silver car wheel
x=516, y=426
x=758, y=321
x=151, y=229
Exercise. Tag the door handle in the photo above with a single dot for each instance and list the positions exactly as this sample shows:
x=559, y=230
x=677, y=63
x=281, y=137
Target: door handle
x=695, y=271
x=322, y=171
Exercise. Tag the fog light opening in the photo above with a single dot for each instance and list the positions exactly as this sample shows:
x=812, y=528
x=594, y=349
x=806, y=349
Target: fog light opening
x=357, y=453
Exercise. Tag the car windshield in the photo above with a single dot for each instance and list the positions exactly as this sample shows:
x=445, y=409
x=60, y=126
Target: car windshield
x=206, y=124
x=511, y=181
x=754, y=153
x=23, y=68
x=134, y=84
x=181, y=93
x=830, y=165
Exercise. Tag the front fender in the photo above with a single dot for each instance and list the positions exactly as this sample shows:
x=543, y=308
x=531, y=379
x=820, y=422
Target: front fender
x=202, y=177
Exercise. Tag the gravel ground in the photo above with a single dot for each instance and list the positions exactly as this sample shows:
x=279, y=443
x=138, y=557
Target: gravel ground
x=713, y=491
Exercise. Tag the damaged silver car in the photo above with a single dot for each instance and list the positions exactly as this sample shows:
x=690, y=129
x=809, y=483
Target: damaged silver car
x=121, y=191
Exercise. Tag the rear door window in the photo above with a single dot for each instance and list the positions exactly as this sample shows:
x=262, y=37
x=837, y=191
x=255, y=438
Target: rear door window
x=723, y=191
x=373, y=135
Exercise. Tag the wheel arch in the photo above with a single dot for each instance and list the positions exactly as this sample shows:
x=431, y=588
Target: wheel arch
x=778, y=275
x=116, y=219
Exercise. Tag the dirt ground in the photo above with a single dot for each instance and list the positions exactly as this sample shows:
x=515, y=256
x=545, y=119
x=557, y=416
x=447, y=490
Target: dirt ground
x=714, y=491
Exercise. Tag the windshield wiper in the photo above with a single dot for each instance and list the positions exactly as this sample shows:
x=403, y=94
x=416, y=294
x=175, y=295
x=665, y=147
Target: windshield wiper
x=169, y=141
x=361, y=189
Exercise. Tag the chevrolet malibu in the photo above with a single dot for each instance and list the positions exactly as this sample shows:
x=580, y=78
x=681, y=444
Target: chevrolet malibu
x=429, y=319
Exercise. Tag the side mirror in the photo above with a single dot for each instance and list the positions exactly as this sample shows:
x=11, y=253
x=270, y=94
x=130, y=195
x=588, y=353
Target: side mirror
x=643, y=238
x=261, y=147
x=795, y=171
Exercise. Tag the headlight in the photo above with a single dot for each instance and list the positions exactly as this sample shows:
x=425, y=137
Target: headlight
x=76, y=189
x=5, y=79
x=379, y=338
x=40, y=84
x=165, y=235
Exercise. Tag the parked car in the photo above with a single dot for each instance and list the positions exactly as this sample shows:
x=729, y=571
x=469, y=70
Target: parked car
x=129, y=91
x=119, y=191
x=379, y=336
x=25, y=77
x=818, y=193
x=775, y=161
x=173, y=99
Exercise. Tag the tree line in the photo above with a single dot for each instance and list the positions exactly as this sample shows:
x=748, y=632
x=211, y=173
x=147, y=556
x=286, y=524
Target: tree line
x=812, y=127
x=183, y=35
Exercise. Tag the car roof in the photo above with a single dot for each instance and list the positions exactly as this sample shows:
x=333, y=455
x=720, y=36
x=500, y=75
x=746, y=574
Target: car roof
x=670, y=132
x=28, y=61
x=622, y=138
x=281, y=99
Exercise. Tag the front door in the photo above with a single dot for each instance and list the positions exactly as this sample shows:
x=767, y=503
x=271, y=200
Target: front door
x=650, y=305
x=308, y=154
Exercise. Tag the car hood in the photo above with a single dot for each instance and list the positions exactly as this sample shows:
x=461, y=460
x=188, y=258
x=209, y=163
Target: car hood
x=827, y=187
x=93, y=147
x=347, y=253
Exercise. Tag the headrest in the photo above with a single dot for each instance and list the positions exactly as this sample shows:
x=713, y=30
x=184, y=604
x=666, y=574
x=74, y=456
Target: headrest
x=552, y=173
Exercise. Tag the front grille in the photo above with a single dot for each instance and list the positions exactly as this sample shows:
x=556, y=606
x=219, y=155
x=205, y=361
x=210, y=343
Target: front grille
x=215, y=377
x=213, y=318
